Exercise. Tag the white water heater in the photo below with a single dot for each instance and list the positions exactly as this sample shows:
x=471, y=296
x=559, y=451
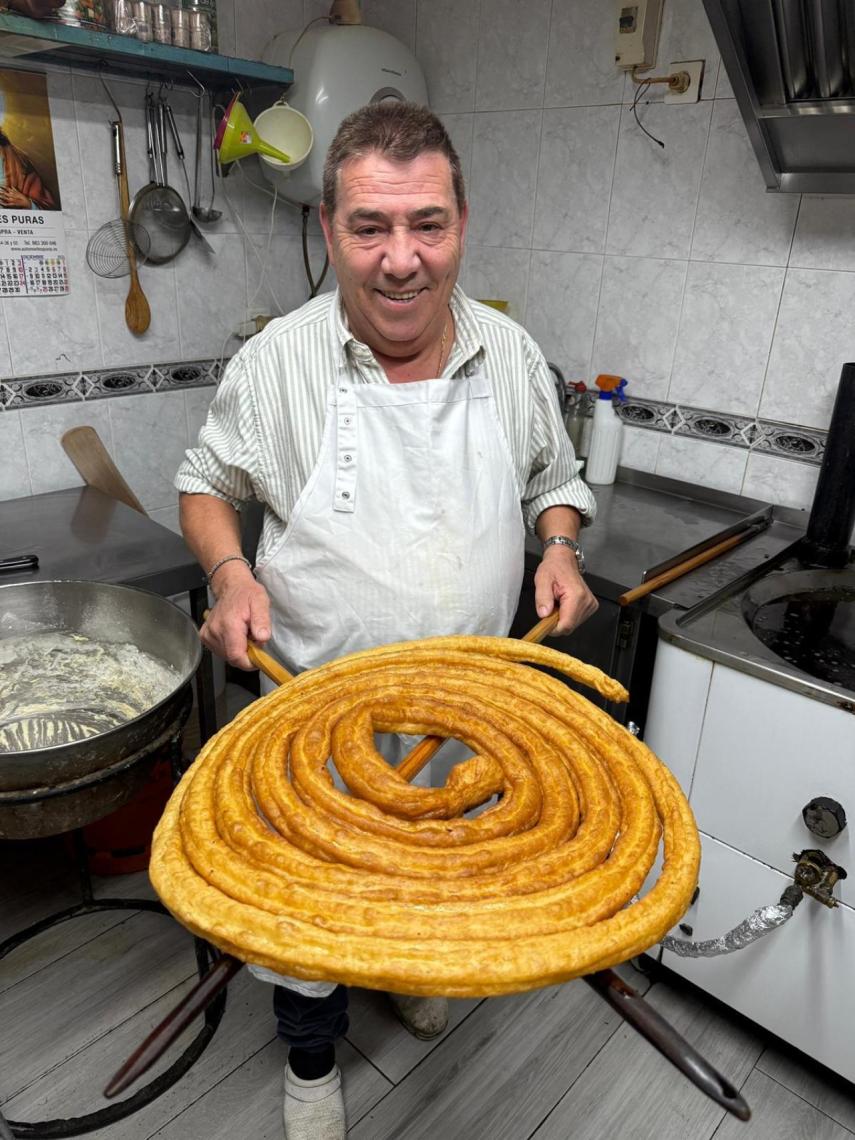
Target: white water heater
x=338, y=68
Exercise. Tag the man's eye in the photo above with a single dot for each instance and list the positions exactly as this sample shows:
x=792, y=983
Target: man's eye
x=429, y=228
x=367, y=231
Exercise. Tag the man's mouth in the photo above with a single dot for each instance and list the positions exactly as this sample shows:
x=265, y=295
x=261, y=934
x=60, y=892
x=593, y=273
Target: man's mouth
x=401, y=297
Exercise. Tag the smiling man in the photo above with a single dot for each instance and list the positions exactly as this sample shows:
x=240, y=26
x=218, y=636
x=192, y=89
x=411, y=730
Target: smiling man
x=401, y=437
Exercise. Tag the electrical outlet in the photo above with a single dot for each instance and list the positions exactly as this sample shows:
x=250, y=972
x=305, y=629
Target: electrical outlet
x=637, y=37
x=694, y=68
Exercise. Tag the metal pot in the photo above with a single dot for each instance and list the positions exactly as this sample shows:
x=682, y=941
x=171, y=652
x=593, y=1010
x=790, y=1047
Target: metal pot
x=51, y=786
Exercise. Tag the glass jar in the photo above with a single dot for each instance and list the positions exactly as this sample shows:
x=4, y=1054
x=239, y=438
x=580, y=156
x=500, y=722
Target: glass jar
x=180, y=27
x=141, y=12
x=203, y=24
x=161, y=24
x=122, y=18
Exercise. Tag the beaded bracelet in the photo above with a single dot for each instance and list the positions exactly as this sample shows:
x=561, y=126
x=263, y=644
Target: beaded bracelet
x=223, y=561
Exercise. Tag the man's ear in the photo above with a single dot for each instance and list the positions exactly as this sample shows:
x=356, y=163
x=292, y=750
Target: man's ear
x=464, y=221
x=326, y=226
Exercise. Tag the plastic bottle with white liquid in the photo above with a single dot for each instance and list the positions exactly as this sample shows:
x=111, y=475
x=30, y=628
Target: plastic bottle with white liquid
x=607, y=433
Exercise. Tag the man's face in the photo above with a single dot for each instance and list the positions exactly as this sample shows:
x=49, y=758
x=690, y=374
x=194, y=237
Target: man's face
x=395, y=242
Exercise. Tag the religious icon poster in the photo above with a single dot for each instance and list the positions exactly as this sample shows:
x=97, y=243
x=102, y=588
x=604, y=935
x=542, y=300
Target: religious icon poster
x=32, y=232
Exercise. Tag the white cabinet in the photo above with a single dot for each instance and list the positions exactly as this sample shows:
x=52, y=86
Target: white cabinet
x=796, y=982
x=764, y=754
x=750, y=755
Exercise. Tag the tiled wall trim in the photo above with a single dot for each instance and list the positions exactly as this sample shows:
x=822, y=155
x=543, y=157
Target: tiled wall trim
x=807, y=445
x=790, y=441
x=100, y=384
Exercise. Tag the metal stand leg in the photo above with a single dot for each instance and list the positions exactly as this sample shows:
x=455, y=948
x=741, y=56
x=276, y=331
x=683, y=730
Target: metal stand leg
x=75, y=1125
x=205, y=955
x=205, y=695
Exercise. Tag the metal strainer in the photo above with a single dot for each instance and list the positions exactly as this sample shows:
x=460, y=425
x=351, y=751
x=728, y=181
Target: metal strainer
x=107, y=249
x=157, y=208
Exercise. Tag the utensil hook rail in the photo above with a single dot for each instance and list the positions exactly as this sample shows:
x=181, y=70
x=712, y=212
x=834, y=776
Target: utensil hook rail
x=205, y=957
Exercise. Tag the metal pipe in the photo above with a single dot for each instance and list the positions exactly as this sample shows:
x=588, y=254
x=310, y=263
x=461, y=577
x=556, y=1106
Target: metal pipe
x=761, y=922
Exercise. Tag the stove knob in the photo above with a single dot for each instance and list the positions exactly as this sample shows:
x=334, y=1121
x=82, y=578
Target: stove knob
x=824, y=817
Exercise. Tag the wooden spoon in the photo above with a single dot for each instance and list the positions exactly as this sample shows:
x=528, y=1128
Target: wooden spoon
x=137, y=311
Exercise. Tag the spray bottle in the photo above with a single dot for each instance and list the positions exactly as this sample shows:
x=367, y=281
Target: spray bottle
x=607, y=434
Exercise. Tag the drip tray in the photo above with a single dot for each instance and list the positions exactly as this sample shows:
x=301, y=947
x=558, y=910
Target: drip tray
x=807, y=618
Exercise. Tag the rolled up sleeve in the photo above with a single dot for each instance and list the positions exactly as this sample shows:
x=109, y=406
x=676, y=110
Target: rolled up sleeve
x=554, y=479
x=222, y=463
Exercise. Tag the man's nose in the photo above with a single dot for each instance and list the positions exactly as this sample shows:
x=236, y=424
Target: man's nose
x=400, y=254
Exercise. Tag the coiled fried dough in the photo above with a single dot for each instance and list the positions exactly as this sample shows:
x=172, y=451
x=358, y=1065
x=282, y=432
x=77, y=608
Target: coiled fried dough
x=393, y=887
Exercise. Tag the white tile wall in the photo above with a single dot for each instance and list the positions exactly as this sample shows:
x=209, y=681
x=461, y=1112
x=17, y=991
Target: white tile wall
x=671, y=266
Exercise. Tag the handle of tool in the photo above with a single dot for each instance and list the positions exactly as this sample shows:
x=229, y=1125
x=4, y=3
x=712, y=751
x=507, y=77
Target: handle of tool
x=151, y=149
x=268, y=665
x=652, y=1025
x=124, y=194
x=176, y=138
x=162, y=1036
x=161, y=139
x=18, y=562
x=197, y=177
x=684, y=567
x=428, y=747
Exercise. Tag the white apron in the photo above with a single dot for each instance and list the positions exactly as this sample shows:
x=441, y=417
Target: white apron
x=410, y=526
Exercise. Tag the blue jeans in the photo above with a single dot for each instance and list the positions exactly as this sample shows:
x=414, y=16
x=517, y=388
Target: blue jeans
x=310, y=1023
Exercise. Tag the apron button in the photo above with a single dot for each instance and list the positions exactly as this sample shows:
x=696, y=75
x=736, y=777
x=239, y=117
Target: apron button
x=346, y=421
x=348, y=458
x=345, y=494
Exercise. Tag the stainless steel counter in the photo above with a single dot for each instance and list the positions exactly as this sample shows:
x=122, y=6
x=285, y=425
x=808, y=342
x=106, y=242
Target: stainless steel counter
x=643, y=520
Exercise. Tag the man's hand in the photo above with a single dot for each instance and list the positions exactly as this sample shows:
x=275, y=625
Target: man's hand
x=557, y=579
x=241, y=611
x=13, y=198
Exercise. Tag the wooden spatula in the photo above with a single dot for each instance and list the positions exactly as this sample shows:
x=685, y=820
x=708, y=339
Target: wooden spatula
x=85, y=449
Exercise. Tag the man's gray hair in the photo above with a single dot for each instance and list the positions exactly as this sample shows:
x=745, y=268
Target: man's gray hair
x=401, y=132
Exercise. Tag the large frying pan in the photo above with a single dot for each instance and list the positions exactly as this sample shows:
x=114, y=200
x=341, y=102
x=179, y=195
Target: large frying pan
x=38, y=787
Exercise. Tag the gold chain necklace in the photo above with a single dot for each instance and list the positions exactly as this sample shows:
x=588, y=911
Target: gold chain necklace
x=442, y=344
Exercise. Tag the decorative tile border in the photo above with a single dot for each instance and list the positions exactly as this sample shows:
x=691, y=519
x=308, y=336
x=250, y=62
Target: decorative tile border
x=100, y=384
x=807, y=445
x=790, y=441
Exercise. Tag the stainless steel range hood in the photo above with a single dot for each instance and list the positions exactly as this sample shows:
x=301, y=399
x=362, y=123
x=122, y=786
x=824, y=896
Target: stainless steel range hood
x=791, y=64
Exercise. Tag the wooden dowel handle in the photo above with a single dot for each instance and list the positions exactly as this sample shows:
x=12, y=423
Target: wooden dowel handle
x=175, y=1022
x=428, y=747
x=684, y=567
x=268, y=665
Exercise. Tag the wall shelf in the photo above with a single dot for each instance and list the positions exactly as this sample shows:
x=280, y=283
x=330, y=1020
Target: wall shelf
x=43, y=41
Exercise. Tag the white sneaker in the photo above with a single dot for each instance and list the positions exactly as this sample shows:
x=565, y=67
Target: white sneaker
x=424, y=1017
x=314, y=1110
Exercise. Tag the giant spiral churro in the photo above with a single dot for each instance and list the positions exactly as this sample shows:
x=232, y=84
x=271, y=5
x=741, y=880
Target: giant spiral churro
x=393, y=886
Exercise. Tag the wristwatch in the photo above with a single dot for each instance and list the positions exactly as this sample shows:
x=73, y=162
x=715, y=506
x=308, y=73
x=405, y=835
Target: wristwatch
x=563, y=540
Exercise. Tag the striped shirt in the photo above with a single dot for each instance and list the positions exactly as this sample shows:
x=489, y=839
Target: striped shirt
x=264, y=429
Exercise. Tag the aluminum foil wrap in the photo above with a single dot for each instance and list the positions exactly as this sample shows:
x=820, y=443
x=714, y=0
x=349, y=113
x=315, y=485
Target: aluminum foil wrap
x=763, y=921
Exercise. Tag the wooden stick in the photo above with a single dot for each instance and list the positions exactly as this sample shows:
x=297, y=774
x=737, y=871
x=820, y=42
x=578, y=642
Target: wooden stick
x=162, y=1036
x=684, y=567
x=268, y=665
